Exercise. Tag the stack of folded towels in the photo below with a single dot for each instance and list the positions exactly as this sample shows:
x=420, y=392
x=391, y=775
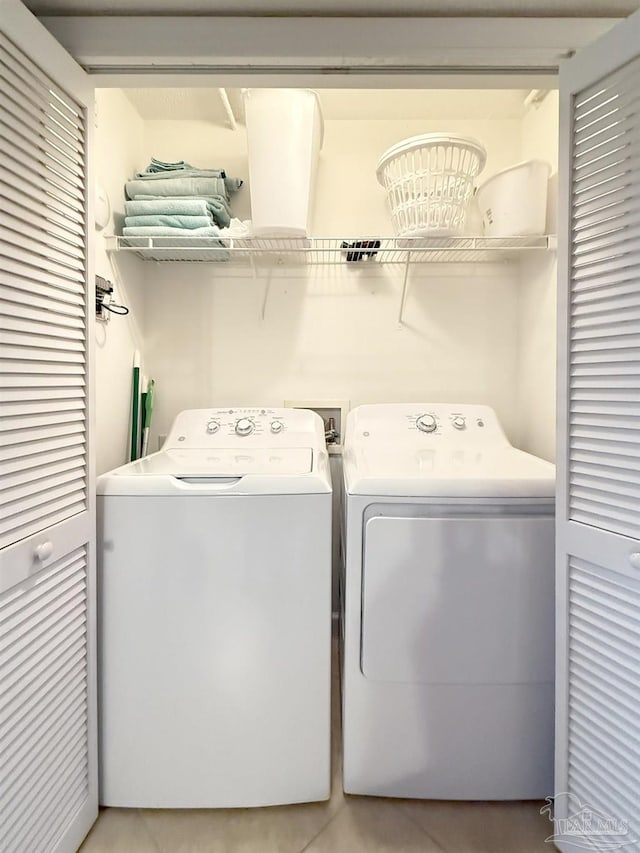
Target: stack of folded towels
x=178, y=200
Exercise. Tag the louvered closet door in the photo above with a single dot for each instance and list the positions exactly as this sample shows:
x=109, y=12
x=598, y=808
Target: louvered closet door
x=48, y=787
x=598, y=529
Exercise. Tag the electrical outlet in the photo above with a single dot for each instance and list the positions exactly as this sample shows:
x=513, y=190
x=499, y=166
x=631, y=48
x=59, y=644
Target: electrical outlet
x=102, y=312
x=104, y=298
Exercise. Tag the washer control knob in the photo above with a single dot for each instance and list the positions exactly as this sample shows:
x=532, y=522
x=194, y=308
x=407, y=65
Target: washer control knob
x=427, y=423
x=244, y=426
x=213, y=426
x=277, y=426
x=459, y=422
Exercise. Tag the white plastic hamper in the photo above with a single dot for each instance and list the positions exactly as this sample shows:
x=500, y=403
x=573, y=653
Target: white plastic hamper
x=513, y=202
x=429, y=182
x=284, y=137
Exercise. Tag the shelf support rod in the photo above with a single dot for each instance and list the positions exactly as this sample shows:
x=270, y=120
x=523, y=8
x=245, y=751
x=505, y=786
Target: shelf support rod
x=226, y=103
x=405, y=283
x=265, y=295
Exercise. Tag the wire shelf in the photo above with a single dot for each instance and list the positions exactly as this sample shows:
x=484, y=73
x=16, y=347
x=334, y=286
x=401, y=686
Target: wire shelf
x=319, y=251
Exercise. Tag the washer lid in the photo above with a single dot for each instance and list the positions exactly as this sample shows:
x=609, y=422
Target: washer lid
x=447, y=471
x=256, y=470
x=223, y=462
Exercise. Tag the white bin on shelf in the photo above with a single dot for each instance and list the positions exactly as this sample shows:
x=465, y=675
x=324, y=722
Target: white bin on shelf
x=284, y=137
x=513, y=203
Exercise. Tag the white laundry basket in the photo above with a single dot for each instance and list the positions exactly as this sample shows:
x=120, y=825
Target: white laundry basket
x=429, y=181
x=284, y=137
x=513, y=202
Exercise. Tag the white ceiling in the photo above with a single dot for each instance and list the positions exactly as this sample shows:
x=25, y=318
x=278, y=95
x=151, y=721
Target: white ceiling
x=206, y=104
x=342, y=8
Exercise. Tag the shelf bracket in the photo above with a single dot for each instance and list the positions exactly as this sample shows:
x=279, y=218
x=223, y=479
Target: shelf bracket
x=405, y=284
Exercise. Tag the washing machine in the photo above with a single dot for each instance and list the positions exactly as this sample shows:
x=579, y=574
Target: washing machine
x=447, y=607
x=215, y=615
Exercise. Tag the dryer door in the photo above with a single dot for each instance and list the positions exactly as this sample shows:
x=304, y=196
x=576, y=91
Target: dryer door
x=458, y=600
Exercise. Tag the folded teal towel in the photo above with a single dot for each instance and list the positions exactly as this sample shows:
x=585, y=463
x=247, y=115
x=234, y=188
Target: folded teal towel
x=197, y=182
x=216, y=206
x=167, y=166
x=169, y=247
x=181, y=183
x=167, y=205
x=167, y=231
x=171, y=220
x=177, y=166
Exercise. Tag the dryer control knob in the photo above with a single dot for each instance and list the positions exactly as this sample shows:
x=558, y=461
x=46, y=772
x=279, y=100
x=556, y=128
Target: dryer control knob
x=277, y=426
x=427, y=423
x=244, y=426
x=459, y=423
x=213, y=426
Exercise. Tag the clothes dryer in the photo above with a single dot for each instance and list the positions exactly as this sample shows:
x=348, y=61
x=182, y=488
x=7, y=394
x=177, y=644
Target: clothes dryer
x=447, y=607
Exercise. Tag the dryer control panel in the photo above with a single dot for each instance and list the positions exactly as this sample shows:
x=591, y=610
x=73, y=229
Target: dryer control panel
x=424, y=423
x=246, y=426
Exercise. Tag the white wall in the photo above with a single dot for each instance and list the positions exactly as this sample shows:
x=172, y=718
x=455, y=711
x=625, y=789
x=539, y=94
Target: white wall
x=331, y=333
x=118, y=154
x=536, y=402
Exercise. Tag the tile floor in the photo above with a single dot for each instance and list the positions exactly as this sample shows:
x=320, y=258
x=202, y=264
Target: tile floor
x=344, y=824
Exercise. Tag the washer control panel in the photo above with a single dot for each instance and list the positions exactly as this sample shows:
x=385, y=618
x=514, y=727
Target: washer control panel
x=426, y=422
x=239, y=426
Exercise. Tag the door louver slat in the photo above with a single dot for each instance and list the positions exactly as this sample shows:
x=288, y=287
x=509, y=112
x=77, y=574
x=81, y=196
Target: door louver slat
x=43, y=514
x=619, y=294
x=20, y=326
x=610, y=213
x=51, y=214
x=621, y=159
x=66, y=247
x=41, y=282
x=50, y=478
x=36, y=257
x=54, y=461
x=60, y=389
x=55, y=250
x=597, y=420
x=589, y=211
x=31, y=114
x=55, y=359
x=582, y=489
x=598, y=139
x=43, y=220
x=620, y=238
x=610, y=475
x=44, y=438
x=40, y=310
x=590, y=768
x=28, y=188
x=25, y=136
